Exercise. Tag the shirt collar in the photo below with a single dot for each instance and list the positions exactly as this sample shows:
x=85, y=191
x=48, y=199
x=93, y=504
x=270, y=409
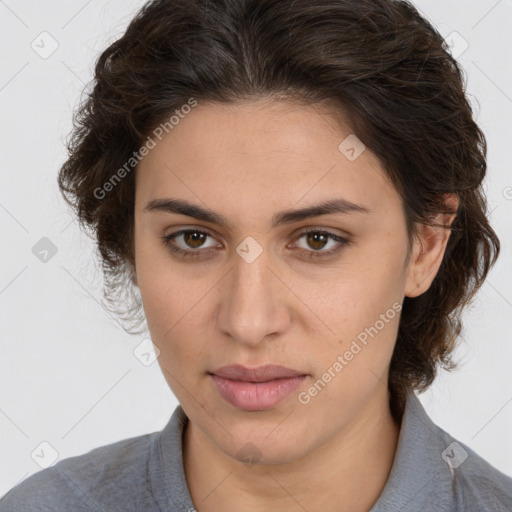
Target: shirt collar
x=419, y=475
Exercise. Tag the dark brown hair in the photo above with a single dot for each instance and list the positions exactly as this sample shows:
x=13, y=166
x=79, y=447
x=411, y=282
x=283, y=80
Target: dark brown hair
x=384, y=65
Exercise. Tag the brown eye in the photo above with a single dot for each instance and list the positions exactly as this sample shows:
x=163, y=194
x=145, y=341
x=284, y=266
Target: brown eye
x=317, y=240
x=194, y=239
x=191, y=243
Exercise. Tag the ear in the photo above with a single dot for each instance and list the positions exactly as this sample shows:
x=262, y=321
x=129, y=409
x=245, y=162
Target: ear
x=428, y=250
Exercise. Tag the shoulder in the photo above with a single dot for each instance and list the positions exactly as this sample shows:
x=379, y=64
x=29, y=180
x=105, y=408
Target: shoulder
x=477, y=484
x=434, y=471
x=111, y=477
x=473, y=483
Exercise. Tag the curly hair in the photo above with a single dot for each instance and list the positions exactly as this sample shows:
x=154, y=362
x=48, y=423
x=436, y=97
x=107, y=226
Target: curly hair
x=386, y=68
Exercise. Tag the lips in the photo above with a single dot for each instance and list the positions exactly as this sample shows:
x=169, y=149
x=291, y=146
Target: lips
x=256, y=389
x=263, y=373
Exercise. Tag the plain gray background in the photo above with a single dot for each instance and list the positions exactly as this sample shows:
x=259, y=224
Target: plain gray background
x=69, y=378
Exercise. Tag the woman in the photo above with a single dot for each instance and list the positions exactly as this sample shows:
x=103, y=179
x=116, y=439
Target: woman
x=294, y=188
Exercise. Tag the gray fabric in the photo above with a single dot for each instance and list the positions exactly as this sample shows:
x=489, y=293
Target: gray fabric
x=145, y=473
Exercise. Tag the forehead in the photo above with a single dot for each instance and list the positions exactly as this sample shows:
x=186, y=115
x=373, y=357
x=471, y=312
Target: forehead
x=263, y=154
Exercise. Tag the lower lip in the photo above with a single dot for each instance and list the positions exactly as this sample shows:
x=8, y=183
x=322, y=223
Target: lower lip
x=256, y=396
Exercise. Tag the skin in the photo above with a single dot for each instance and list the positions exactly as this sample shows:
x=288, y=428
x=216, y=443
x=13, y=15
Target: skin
x=247, y=162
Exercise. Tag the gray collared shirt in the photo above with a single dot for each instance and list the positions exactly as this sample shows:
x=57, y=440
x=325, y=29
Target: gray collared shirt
x=431, y=472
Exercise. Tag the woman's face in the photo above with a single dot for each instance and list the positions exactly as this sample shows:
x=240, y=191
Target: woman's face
x=252, y=292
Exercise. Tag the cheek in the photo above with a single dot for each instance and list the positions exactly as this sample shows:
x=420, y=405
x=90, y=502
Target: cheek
x=162, y=299
x=174, y=306
x=168, y=303
x=362, y=306
x=171, y=321
x=366, y=325
x=361, y=289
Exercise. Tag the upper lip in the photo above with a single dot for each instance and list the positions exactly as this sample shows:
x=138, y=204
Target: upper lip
x=262, y=373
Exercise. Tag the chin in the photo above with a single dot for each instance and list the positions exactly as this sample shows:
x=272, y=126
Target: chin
x=254, y=454
x=265, y=446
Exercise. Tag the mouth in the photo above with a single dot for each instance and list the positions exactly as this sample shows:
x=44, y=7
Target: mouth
x=262, y=373
x=256, y=389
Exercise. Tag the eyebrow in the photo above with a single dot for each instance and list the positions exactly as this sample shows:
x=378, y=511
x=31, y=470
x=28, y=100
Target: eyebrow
x=182, y=207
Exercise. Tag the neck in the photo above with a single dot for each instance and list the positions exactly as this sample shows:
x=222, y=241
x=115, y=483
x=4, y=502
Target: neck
x=346, y=473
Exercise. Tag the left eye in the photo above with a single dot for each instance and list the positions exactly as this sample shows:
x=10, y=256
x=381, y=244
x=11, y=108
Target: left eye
x=318, y=240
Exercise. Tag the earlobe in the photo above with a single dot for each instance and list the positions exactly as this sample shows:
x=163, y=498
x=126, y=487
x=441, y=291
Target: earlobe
x=428, y=250
x=413, y=280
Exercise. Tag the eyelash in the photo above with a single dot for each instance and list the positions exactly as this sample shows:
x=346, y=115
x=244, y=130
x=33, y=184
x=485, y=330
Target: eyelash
x=193, y=254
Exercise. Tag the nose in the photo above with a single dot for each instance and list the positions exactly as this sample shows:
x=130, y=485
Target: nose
x=254, y=302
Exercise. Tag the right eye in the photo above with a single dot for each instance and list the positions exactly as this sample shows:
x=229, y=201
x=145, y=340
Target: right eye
x=191, y=239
